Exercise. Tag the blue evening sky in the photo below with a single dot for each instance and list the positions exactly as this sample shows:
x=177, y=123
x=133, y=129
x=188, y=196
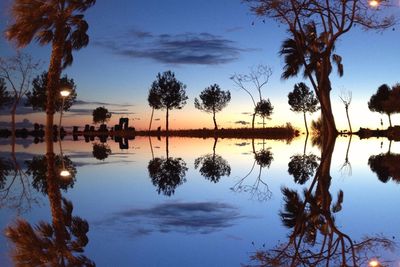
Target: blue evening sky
x=205, y=42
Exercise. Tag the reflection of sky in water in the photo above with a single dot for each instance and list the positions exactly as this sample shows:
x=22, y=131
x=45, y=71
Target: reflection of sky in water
x=205, y=223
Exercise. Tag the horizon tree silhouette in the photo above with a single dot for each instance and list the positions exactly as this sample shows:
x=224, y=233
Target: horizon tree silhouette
x=258, y=77
x=17, y=71
x=314, y=27
x=101, y=151
x=213, y=100
x=167, y=93
x=213, y=166
x=36, y=98
x=301, y=99
x=5, y=97
x=167, y=173
x=386, y=166
x=59, y=23
x=101, y=115
x=386, y=100
x=346, y=100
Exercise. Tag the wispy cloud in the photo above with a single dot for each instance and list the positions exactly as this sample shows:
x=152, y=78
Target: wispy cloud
x=242, y=122
x=186, y=48
x=184, y=217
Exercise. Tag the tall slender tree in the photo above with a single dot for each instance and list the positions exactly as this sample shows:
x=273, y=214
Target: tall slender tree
x=213, y=100
x=301, y=99
x=56, y=22
x=167, y=93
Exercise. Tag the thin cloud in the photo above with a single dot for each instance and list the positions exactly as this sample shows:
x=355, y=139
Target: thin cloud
x=183, y=217
x=242, y=122
x=185, y=48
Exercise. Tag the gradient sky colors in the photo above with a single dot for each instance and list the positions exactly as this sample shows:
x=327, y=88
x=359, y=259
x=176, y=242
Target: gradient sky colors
x=204, y=42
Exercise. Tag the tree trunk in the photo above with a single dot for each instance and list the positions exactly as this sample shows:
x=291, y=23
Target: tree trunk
x=390, y=120
x=166, y=121
x=52, y=84
x=151, y=119
x=166, y=147
x=252, y=122
x=13, y=126
x=348, y=119
x=215, y=121
x=305, y=122
x=328, y=120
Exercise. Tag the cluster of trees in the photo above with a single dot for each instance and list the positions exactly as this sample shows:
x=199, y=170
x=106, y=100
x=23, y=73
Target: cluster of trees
x=386, y=100
x=168, y=93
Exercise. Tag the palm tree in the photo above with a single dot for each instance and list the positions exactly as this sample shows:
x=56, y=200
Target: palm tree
x=59, y=22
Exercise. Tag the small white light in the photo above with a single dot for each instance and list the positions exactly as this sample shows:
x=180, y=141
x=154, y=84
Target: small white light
x=374, y=3
x=65, y=173
x=65, y=93
x=374, y=263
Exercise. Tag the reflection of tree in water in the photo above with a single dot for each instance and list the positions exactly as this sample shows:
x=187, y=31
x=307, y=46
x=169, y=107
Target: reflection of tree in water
x=60, y=243
x=5, y=170
x=40, y=245
x=101, y=151
x=213, y=166
x=386, y=166
x=302, y=167
x=315, y=239
x=167, y=173
x=37, y=167
x=259, y=189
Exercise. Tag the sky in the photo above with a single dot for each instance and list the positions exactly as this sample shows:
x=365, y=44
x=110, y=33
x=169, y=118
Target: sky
x=203, y=42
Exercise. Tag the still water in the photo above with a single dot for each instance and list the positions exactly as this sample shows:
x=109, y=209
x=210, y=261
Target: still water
x=201, y=202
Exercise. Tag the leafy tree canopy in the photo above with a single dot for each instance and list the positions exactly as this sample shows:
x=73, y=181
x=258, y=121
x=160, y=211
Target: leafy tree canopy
x=212, y=99
x=101, y=115
x=302, y=99
x=38, y=96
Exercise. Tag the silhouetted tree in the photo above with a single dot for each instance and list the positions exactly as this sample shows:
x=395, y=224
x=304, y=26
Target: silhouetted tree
x=264, y=109
x=5, y=170
x=314, y=27
x=154, y=99
x=213, y=100
x=60, y=23
x=101, y=115
x=301, y=99
x=37, y=168
x=5, y=98
x=37, y=97
x=346, y=99
x=258, y=77
x=167, y=93
x=302, y=167
x=17, y=72
x=386, y=100
x=167, y=173
x=386, y=166
x=101, y=151
x=40, y=245
x=213, y=166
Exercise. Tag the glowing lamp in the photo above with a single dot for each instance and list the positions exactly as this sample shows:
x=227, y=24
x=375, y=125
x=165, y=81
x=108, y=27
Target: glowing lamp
x=65, y=173
x=374, y=3
x=374, y=263
x=65, y=93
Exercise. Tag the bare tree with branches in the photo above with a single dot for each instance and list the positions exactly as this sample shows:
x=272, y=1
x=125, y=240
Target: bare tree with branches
x=346, y=100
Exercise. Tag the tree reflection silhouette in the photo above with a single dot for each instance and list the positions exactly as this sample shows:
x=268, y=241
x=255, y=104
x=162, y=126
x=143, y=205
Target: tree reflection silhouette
x=213, y=166
x=37, y=167
x=315, y=239
x=60, y=243
x=259, y=189
x=167, y=173
x=5, y=170
x=101, y=151
x=386, y=166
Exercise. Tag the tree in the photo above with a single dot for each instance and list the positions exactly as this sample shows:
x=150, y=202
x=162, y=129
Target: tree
x=101, y=114
x=264, y=108
x=101, y=151
x=17, y=71
x=37, y=97
x=258, y=77
x=301, y=99
x=5, y=97
x=60, y=23
x=167, y=92
x=213, y=100
x=386, y=100
x=314, y=27
x=346, y=100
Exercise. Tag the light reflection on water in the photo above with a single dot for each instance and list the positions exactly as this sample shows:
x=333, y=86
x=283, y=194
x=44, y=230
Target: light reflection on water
x=202, y=220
